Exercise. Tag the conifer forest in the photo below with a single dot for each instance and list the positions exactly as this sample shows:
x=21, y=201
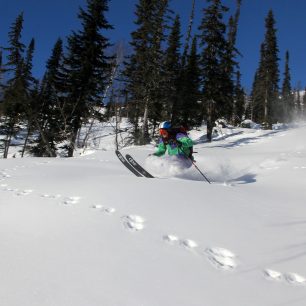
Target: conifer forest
x=189, y=76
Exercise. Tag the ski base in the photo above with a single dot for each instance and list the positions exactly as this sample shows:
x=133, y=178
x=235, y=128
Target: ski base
x=127, y=164
x=139, y=168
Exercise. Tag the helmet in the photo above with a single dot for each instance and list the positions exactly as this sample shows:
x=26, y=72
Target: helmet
x=165, y=125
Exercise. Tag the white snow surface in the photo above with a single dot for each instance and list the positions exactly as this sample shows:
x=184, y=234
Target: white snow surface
x=85, y=231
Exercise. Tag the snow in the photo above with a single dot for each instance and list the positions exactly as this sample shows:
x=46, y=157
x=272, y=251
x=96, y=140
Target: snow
x=85, y=231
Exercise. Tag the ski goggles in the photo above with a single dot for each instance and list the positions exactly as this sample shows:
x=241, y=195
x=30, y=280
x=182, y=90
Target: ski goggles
x=164, y=133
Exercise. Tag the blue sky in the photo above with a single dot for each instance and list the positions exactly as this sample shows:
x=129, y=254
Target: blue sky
x=46, y=20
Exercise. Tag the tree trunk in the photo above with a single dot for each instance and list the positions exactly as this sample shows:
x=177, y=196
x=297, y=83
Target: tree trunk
x=74, y=136
x=87, y=133
x=7, y=145
x=145, y=123
x=266, y=107
x=116, y=126
x=209, y=128
x=188, y=36
x=26, y=141
x=50, y=151
x=211, y=118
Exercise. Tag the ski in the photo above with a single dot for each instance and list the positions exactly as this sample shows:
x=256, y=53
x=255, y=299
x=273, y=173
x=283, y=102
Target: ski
x=139, y=168
x=127, y=164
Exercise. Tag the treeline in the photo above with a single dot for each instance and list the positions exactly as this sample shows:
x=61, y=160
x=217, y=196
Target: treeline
x=165, y=77
x=53, y=110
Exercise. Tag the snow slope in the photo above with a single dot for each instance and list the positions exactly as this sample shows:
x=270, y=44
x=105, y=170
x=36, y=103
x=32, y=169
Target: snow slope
x=86, y=232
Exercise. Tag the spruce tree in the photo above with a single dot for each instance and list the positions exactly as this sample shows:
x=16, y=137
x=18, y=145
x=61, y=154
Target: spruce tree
x=287, y=96
x=298, y=102
x=272, y=68
x=1, y=74
x=266, y=89
x=304, y=105
x=172, y=70
x=232, y=66
x=189, y=93
x=1, y=86
x=239, y=100
x=144, y=68
x=30, y=81
x=215, y=78
x=50, y=119
x=188, y=36
x=258, y=91
x=87, y=68
x=30, y=84
x=15, y=93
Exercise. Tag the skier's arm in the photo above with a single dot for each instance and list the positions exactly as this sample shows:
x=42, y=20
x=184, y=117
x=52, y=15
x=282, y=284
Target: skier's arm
x=161, y=149
x=184, y=141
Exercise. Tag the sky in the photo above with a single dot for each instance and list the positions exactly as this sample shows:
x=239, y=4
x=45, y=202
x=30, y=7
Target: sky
x=47, y=20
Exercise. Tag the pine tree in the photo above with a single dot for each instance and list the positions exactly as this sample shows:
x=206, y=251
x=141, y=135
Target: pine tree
x=30, y=84
x=266, y=90
x=189, y=93
x=239, y=100
x=50, y=119
x=304, y=105
x=15, y=93
x=172, y=70
x=1, y=86
x=87, y=68
x=16, y=50
x=144, y=68
x=287, y=96
x=215, y=77
x=248, y=108
x=188, y=36
x=1, y=73
x=232, y=66
x=298, y=102
x=258, y=91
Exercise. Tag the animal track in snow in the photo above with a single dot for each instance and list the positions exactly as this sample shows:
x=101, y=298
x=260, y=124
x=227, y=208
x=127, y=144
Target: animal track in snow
x=72, y=200
x=220, y=252
x=170, y=238
x=221, y=258
x=5, y=175
x=9, y=189
x=107, y=210
x=290, y=278
x=185, y=243
x=98, y=206
x=301, y=167
x=25, y=192
x=5, y=187
x=295, y=279
x=50, y=196
x=188, y=244
x=134, y=222
x=273, y=275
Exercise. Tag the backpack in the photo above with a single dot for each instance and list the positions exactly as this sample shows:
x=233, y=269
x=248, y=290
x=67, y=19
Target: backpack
x=179, y=130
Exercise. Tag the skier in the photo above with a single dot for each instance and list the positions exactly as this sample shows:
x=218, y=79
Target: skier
x=175, y=141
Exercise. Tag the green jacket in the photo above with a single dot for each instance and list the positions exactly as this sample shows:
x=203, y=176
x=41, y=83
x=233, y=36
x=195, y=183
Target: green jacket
x=181, y=145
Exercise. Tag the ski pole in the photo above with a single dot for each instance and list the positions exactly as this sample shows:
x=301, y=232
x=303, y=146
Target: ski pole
x=199, y=170
x=195, y=165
